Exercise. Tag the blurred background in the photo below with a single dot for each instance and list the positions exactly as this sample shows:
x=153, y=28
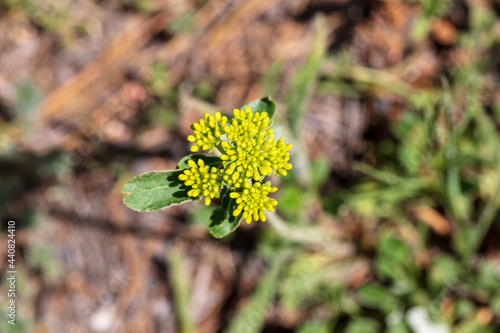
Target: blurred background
x=387, y=223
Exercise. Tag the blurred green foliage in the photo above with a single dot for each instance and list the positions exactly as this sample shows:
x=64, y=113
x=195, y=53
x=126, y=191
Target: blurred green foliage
x=431, y=157
x=442, y=152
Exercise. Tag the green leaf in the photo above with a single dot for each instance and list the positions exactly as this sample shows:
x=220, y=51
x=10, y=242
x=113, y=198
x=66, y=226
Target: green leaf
x=155, y=190
x=393, y=249
x=209, y=160
x=398, y=327
x=315, y=326
x=376, y=296
x=444, y=271
x=265, y=104
x=488, y=276
x=222, y=221
x=363, y=325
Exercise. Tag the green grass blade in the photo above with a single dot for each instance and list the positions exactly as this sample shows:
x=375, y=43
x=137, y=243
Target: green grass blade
x=304, y=80
x=251, y=318
x=180, y=284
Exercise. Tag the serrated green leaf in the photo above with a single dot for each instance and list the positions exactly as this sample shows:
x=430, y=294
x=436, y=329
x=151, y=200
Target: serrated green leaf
x=222, y=221
x=265, y=104
x=209, y=160
x=155, y=190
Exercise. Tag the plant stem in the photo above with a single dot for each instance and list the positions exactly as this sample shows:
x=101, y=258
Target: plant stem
x=309, y=236
x=487, y=216
x=220, y=148
x=180, y=286
x=251, y=318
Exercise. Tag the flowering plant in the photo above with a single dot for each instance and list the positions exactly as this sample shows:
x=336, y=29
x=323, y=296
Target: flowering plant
x=248, y=153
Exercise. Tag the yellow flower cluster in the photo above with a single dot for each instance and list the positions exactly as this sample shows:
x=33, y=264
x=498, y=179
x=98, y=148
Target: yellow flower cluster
x=202, y=179
x=279, y=157
x=250, y=152
x=207, y=132
x=253, y=201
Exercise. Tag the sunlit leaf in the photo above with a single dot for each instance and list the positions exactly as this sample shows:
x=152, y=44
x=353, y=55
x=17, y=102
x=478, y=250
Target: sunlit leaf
x=222, y=221
x=265, y=104
x=155, y=190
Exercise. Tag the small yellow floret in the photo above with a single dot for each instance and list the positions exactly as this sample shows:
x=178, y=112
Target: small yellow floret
x=252, y=152
x=253, y=201
x=202, y=179
x=207, y=132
